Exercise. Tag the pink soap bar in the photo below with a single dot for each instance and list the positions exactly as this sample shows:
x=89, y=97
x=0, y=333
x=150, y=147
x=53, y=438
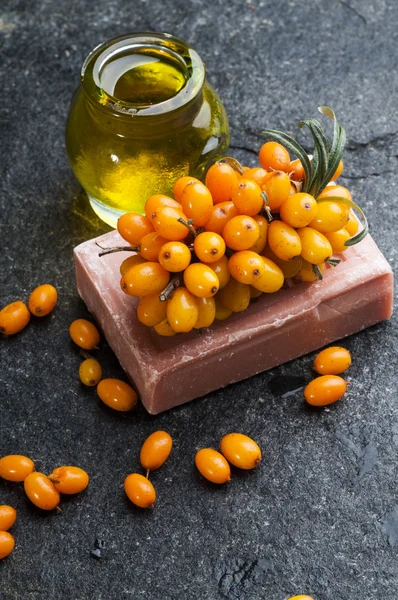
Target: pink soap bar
x=274, y=329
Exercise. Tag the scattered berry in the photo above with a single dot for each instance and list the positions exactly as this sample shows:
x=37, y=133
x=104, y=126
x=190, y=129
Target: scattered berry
x=240, y=450
x=139, y=490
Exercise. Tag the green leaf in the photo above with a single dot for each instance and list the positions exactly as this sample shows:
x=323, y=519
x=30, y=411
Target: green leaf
x=321, y=149
x=336, y=151
x=293, y=146
x=359, y=236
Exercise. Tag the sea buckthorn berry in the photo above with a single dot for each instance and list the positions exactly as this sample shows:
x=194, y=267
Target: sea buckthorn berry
x=221, y=269
x=212, y=465
x=255, y=174
x=181, y=184
x=84, y=334
x=263, y=234
x=220, y=215
x=157, y=200
x=325, y=390
x=247, y=198
x=330, y=217
x=283, y=240
x=221, y=180
x=296, y=170
x=222, y=312
x=41, y=491
x=235, y=296
x=241, y=233
x=147, y=278
x=155, y=450
x=8, y=516
x=206, y=312
x=165, y=329
x=201, y=280
x=315, y=247
x=131, y=261
x=151, y=311
x=307, y=272
x=274, y=156
x=246, y=266
x=69, y=479
x=42, y=300
x=332, y=361
x=338, y=239
x=289, y=268
x=166, y=223
x=175, y=256
x=90, y=372
x=254, y=293
x=277, y=187
x=209, y=247
x=197, y=203
x=301, y=598
x=15, y=467
x=139, y=490
x=133, y=226
x=117, y=394
x=338, y=171
x=14, y=317
x=240, y=450
x=352, y=224
x=298, y=210
x=182, y=310
x=7, y=544
x=272, y=278
x=335, y=190
x=151, y=245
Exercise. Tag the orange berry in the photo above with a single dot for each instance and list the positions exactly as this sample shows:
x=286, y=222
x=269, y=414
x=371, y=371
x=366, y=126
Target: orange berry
x=131, y=261
x=221, y=180
x=325, y=390
x=352, y=224
x=289, y=268
x=42, y=300
x=220, y=268
x=14, y=317
x=69, y=480
x=263, y=234
x=316, y=248
x=209, y=247
x=151, y=311
x=84, y=334
x=157, y=200
x=274, y=156
x=166, y=223
x=181, y=184
x=175, y=256
x=330, y=217
x=151, y=245
x=332, y=361
x=235, y=296
x=276, y=185
x=240, y=450
x=307, y=273
x=90, y=372
x=182, y=310
x=296, y=170
x=15, y=467
x=246, y=266
x=206, y=312
x=7, y=544
x=220, y=215
x=298, y=210
x=247, y=198
x=338, y=239
x=301, y=597
x=201, y=280
x=283, y=240
x=139, y=490
x=241, y=232
x=8, y=516
x=117, y=394
x=165, y=329
x=255, y=174
x=338, y=171
x=41, y=491
x=271, y=279
x=155, y=450
x=197, y=203
x=212, y=465
x=147, y=278
x=335, y=190
x=133, y=226
x=222, y=312
x=254, y=293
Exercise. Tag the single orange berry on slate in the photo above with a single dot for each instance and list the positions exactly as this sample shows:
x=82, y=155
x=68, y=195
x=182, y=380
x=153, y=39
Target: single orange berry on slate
x=15, y=467
x=131, y=261
x=90, y=372
x=41, y=491
x=220, y=215
x=133, y=226
x=14, y=317
x=240, y=450
x=197, y=203
x=117, y=394
x=301, y=598
x=8, y=516
x=296, y=170
x=42, y=300
x=84, y=334
x=241, y=233
x=212, y=465
x=7, y=544
x=151, y=311
x=332, y=361
x=247, y=198
x=274, y=156
x=201, y=280
x=209, y=247
x=206, y=312
x=155, y=450
x=139, y=490
x=325, y=390
x=181, y=184
x=276, y=185
x=221, y=180
x=157, y=200
x=174, y=256
x=69, y=480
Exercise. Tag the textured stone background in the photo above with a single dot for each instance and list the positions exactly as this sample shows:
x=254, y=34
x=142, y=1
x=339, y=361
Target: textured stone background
x=320, y=516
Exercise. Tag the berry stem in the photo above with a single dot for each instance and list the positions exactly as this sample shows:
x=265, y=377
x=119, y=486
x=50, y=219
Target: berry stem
x=169, y=289
x=117, y=249
x=266, y=207
x=189, y=225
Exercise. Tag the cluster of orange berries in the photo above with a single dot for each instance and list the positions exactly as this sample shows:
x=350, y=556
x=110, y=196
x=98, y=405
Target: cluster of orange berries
x=15, y=316
x=329, y=387
x=42, y=490
x=207, y=252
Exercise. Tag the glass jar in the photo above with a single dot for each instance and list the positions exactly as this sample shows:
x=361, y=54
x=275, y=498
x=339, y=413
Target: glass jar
x=143, y=116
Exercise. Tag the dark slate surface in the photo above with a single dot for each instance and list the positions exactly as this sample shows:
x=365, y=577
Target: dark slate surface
x=320, y=516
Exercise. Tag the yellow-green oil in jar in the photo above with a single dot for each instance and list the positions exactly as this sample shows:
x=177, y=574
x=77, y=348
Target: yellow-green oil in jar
x=144, y=117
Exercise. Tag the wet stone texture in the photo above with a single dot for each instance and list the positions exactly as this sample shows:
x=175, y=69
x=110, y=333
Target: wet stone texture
x=320, y=515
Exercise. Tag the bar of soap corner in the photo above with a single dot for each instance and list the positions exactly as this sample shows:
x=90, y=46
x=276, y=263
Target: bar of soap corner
x=275, y=329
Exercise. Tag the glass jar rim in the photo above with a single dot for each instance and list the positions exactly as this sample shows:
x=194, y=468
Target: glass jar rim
x=176, y=48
